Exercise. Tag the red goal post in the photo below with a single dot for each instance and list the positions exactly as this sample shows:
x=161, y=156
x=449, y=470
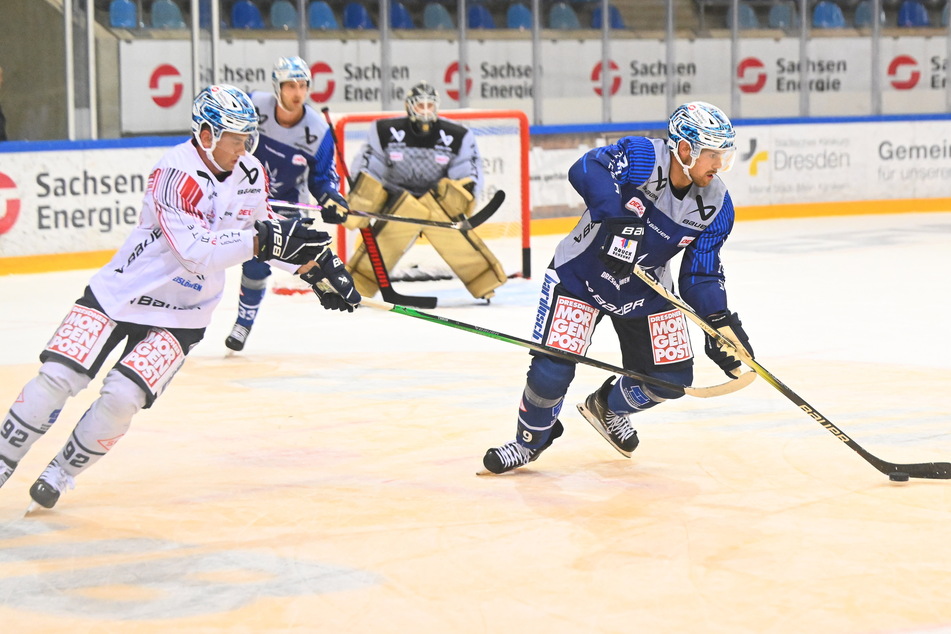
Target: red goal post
x=503, y=140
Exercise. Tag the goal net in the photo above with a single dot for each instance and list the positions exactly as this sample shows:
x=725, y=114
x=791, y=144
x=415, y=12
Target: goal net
x=503, y=140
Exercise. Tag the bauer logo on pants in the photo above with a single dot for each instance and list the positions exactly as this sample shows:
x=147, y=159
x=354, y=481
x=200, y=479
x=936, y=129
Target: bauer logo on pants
x=572, y=323
x=669, y=339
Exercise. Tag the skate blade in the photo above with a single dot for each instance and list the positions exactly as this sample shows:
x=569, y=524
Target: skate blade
x=593, y=421
x=31, y=508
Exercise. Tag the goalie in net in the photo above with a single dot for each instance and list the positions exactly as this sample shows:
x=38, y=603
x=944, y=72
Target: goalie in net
x=427, y=167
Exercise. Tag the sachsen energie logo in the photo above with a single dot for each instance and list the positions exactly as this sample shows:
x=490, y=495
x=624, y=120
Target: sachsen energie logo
x=751, y=73
x=903, y=72
x=168, y=95
x=9, y=203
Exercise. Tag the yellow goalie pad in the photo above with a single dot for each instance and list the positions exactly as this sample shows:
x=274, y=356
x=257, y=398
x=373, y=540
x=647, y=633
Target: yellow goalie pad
x=367, y=194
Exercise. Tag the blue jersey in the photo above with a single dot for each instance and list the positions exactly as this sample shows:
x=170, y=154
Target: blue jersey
x=632, y=176
x=298, y=158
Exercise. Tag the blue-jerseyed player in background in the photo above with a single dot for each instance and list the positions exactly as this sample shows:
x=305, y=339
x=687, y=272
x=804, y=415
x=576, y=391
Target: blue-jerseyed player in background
x=297, y=150
x=647, y=201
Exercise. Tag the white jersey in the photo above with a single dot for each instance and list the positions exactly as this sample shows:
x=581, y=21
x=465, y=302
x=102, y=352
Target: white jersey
x=170, y=272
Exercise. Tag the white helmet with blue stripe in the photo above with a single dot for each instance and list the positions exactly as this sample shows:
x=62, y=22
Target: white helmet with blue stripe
x=288, y=69
x=223, y=108
x=704, y=127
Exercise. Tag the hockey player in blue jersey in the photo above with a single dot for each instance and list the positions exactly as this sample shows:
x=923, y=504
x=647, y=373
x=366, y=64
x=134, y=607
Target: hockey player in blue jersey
x=647, y=201
x=298, y=153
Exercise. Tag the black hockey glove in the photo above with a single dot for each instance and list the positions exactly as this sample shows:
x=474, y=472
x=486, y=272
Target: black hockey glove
x=619, y=249
x=727, y=324
x=290, y=240
x=332, y=283
x=333, y=208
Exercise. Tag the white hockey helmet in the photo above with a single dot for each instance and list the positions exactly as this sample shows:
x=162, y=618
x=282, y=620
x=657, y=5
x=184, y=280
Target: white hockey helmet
x=288, y=69
x=422, y=105
x=223, y=108
x=704, y=127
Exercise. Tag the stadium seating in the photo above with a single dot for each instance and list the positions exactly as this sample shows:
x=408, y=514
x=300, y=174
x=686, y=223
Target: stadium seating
x=479, y=17
x=614, y=17
x=165, y=14
x=562, y=16
x=436, y=16
x=863, y=15
x=783, y=15
x=747, y=17
x=356, y=16
x=827, y=15
x=518, y=16
x=400, y=17
x=321, y=16
x=912, y=13
x=123, y=14
x=283, y=15
x=246, y=15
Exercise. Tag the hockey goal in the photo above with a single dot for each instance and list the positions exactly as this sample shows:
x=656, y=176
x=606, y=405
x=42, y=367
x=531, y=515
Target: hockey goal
x=503, y=139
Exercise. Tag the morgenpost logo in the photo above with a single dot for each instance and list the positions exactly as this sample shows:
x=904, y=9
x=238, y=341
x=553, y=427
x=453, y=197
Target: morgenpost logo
x=614, y=84
x=9, y=203
x=751, y=75
x=166, y=86
x=903, y=72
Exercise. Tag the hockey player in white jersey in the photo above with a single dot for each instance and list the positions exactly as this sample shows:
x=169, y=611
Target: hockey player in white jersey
x=421, y=166
x=647, y=201
x=298, y=154
x=205, y=209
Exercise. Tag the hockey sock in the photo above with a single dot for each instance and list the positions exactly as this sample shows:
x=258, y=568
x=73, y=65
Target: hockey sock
x=536, y=417
x=252, y=294
x=37, y=408
x=629, y=396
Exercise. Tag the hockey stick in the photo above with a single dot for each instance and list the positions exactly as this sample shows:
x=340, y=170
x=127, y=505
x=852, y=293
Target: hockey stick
x=462, y=225
x=930, y=470
x=699, y=392
x=387, y=292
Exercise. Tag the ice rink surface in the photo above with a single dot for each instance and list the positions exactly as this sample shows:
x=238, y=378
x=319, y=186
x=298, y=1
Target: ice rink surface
x=324, y=479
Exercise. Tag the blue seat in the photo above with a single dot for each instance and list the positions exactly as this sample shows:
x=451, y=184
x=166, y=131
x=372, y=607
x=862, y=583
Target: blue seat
x=562, y=16
x=283, y=15
x=400, y=17
x=827, y=15
x=747, y=17
x=166, y=15
x=478, y=17
x=518, y=16
x=356, y=16
x=912, y=13
x=944, y=15
x=123, y=14
x=436, y=16
x=783, y=15
x=321, y=16
x=615, y=21
x=246, y=15
x=863, y=15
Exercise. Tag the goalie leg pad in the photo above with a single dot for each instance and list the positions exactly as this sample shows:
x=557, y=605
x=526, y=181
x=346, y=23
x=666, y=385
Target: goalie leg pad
x=455, y=197
x=37, y=408
x=393, y=238
x=465, y=252
x=367, y=194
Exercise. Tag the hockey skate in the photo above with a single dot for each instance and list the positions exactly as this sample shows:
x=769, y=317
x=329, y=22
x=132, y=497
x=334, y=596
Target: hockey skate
x=237, y=338
x=6, y=469
x=615, y=428
x=50, y=485
x=511, y=455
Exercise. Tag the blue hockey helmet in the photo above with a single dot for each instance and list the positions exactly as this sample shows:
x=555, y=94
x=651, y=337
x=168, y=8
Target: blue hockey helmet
x=704, y=127
x=223, y=108
x=288, y=69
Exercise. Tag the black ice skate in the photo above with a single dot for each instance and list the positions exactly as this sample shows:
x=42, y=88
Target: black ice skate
x=512, y=455
x=237, y=338
x=50, y=485
x=6, y=469
x=615, y=428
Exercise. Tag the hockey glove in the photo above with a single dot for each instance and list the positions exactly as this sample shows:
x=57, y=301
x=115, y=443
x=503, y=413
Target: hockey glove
x=289, y=240
x=332, y=283
x=619, y=249
x=727, y=324
x=333, y=208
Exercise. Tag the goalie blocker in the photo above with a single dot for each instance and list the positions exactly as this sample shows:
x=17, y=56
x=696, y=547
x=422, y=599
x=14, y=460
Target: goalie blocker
x=464, y=251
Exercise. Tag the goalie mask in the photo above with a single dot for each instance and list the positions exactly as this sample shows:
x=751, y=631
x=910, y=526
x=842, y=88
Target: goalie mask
x=288, y=69
x=704, y=127
x=422, y=106
x=221, y=109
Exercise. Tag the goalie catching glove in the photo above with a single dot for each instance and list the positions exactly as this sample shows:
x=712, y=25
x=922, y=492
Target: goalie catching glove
x=619, y=250
x=727, y=324
x=332, y=283
x=290, y=240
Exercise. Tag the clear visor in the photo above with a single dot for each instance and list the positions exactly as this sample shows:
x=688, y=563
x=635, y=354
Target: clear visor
x=251, y=142
x=722, y=159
